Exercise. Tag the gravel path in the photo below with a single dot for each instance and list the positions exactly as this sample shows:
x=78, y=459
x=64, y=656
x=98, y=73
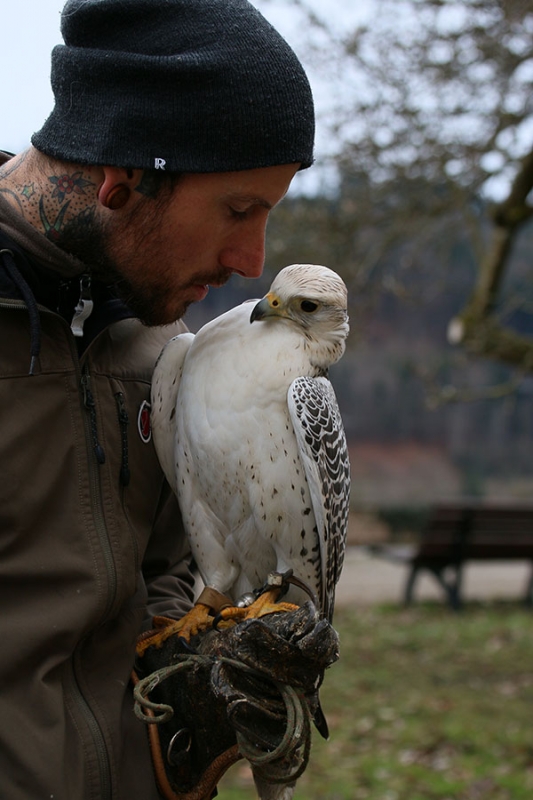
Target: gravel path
x=366, y=579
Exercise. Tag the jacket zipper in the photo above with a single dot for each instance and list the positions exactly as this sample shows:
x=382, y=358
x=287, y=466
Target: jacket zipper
x=93, y=466
x=91, y=436
x=18, y=304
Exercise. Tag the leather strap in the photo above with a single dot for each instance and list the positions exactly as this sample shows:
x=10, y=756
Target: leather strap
x=214, y=600
x=206, y=786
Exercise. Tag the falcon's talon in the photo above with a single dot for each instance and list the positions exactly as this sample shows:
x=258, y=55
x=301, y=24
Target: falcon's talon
x=194, y=621
x=216, y=620
x=184, y=643
x=265, y=603
x=230, y=614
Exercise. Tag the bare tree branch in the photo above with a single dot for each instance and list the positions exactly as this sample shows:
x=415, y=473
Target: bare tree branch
x=477, y=327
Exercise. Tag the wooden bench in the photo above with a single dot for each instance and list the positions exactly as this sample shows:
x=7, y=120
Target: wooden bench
x=456, y=534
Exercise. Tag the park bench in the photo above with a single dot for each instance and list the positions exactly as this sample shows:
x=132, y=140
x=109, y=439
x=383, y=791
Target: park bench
x=456, y=534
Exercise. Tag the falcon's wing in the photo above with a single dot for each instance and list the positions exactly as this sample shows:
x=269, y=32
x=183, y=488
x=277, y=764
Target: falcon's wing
x=320, y=435
x=165, y=384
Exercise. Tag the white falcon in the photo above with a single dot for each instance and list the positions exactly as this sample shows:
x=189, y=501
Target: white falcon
x=248, y=431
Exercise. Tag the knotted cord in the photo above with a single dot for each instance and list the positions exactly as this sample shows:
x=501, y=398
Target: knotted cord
x=271, y=765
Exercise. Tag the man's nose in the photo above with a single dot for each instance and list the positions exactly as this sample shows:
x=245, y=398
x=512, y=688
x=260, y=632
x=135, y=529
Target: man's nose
x=245, y=254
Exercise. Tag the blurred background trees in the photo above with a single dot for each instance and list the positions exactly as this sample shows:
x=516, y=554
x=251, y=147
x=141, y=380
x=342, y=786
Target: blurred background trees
x=423, y=202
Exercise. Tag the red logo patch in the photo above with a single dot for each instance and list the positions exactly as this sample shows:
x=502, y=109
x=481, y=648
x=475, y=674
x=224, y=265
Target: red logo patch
x=143, y=422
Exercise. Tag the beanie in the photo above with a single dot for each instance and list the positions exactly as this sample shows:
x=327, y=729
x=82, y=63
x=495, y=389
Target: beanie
x=180, y=85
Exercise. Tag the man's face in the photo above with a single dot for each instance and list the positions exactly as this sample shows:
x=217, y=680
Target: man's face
x=166, y=254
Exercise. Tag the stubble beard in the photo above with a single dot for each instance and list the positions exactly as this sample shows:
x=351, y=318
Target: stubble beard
x=92, y=243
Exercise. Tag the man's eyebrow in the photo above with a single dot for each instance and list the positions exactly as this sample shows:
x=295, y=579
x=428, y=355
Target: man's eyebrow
x=252, y=199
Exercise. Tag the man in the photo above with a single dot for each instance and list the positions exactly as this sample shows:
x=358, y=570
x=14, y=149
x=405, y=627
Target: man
x=177, y=126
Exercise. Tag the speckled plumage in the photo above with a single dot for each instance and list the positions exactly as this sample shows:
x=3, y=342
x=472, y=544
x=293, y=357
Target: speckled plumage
x=252, y=441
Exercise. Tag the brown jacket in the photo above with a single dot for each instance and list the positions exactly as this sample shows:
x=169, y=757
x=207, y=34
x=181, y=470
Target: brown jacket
x=86, y=554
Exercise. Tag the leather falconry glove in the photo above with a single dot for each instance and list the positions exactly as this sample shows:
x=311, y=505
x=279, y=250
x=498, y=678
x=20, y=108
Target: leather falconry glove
x=249, y=691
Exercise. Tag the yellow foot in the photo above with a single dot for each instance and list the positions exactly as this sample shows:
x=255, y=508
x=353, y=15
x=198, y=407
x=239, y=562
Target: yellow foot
x=265, y=604
x=194, y=621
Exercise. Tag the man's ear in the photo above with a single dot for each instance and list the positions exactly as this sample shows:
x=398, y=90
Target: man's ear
x=116, y=188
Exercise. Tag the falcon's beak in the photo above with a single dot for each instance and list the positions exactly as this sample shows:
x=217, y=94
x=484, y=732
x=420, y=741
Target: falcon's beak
x=269, y=306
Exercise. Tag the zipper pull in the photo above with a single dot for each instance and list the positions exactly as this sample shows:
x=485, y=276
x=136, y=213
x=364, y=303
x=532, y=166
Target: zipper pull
x=84, y=308
x=90, y=405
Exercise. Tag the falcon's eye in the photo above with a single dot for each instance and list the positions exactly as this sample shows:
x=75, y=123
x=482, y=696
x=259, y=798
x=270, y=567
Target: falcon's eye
x=308, y=305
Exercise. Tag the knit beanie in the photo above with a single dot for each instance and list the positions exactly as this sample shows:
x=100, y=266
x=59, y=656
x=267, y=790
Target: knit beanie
x=180, y=85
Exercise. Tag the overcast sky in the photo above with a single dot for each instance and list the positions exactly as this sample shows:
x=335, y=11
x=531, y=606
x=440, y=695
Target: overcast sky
x=30, y=28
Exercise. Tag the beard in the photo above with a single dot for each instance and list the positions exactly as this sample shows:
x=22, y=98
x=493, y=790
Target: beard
x=149, y=302
x=99, y=248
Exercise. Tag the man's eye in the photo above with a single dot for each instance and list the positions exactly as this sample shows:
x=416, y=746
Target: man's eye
x=308, y=305
x=238, y=214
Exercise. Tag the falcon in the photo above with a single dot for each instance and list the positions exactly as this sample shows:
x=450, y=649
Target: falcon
x=248, y=431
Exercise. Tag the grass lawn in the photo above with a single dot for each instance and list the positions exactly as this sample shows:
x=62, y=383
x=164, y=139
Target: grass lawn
x=424, y=704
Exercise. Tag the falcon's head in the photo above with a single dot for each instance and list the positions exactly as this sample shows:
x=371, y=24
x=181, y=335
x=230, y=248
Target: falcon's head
x=314, y=298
